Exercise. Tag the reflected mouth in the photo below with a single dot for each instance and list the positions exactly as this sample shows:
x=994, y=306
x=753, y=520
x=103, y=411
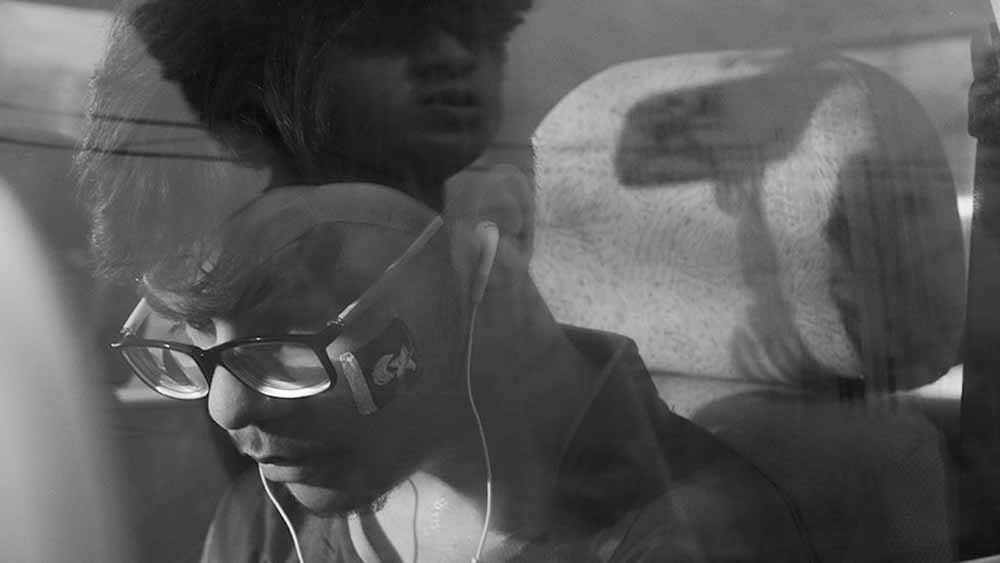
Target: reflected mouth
x=459, y=107
x=455, y=98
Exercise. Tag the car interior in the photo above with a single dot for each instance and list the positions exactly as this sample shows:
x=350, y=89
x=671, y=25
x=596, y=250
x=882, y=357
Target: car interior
x=779, y=201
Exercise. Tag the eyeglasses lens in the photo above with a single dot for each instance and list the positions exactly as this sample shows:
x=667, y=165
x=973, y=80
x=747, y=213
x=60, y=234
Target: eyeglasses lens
x=278, y=369
x=170, y=372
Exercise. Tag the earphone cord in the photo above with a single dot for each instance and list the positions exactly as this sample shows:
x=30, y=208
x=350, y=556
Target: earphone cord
x=482, y=435
x=284, y=516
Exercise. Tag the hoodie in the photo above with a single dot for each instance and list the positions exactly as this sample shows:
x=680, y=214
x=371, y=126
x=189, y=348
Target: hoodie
x=636, y=483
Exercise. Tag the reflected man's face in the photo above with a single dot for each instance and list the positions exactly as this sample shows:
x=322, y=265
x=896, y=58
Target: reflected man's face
x=426, y=108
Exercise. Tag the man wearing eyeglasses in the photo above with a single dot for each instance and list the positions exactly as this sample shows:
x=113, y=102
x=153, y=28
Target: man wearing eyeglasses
x=338, y=362
x=386, y=361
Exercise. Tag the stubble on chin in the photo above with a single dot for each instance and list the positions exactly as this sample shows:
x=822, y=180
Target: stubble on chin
x=326, y=503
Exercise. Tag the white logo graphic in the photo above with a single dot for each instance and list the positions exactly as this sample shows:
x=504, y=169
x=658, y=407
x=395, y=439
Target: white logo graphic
x=391, y=366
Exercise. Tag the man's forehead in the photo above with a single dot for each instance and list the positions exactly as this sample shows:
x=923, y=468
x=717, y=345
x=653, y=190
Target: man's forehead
x=289, y=244
x=285, y=214
x=307, y=277
x=325, y=219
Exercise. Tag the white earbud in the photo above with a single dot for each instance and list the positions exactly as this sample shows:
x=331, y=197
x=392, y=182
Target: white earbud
x=488, y=235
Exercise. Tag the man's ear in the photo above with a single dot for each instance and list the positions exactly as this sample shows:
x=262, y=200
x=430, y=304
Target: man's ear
x=504, y=196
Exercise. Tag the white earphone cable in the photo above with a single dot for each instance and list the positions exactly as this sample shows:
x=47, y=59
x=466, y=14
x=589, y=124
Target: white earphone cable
x=284, y=516
x=479, y=426
x=482, y=436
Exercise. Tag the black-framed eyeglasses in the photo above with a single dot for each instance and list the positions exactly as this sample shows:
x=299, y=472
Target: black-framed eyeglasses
x=287, y=366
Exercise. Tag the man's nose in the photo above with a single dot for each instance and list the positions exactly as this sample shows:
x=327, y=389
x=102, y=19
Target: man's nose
x=441, y=54
x=233, y=405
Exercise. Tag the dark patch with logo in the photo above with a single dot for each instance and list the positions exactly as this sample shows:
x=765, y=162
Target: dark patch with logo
x=389, y=362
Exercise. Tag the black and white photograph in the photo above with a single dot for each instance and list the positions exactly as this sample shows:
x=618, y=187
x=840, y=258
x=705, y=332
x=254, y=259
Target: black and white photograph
x=435, y=281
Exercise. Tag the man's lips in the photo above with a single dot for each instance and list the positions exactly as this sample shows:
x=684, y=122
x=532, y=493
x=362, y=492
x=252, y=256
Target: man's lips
x=297, y=467
x=279, y=459
x=289, y=472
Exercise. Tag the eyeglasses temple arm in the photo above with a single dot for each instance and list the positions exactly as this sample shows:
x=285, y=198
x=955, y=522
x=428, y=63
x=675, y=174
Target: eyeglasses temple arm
x=138, y=316
x=361, y=304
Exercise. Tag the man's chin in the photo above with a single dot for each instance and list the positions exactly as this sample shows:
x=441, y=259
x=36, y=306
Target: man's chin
x=326, y=502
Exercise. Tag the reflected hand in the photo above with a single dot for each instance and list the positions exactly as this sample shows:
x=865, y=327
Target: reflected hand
x=504, y=196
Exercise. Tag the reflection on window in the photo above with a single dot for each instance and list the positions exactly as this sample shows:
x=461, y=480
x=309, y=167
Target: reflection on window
x=730, y=309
